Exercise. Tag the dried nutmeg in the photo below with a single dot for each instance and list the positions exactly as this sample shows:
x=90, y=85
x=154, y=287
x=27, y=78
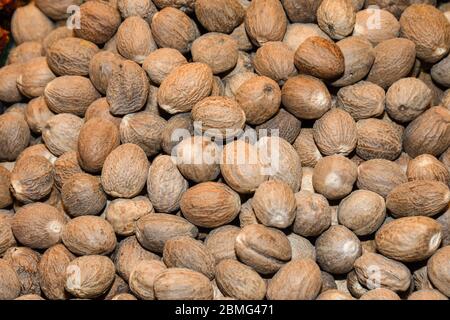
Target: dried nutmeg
x=439, y=72
x=380, y=294
x=313, y=214
x=427, y=167
x=418, y=198
x=220, y=242
x=134, y=39
x=376, y=25
x=7, y=239
x=65, y=167
x=275, y=60
x=172, y=28
x=438, y=270
x=14, y=135
x=25, y=52
x=306, y=148
x=37, y=114
x=60, y=133
x=9, y=92
x=219, y=15
x=210, y=204
x=184, y=87
x=89, y=276
x=297, y=33
x=141, y=8
x=57, y=10
x=409, y=239
x=82, y=194
x=25, y=262
x=285, y=124
x=5, y=195
x=178, y=127
x=38, y=225
x=337, y=249
x=427, y=294
x=160, y=63
x=35, y=75
x=143, y=277
x=125, y=171
x=55, y=35
x=336, y=17
x=100, y=109
x=301, y=247
x=28, y=23
x=101, y=68
x=320, y=58
x=334, y=294
x=301, y=10
x=429, y=29
x=184, y=5
x=9, y=281
x=87, y=235
x=71, y=56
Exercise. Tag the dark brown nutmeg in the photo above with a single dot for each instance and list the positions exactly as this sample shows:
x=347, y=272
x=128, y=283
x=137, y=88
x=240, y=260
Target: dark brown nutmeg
x=301, y=10
x=287, y=126
x=219, y=15
x=275, y=60
x=14, y=135
x=336, y=17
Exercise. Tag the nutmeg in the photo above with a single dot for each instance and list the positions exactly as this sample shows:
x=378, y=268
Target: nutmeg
x=28, y=23
x=179, y=126
x=159, y=63
x=184, y=5
x=297, y=33
x=5, y=195
x=427, y=295
x=9, y=282
x=285, y=124
x=100, y=109
x=336, y=17
x=25, y=263
x=56, y=10
x=385, y=26
x=439, y=72
x=306, y=148
x=220, y=242
x=60, y=133
x=219, y=16
x=37, y=114
x=313, y=214
x=301, y=10
x=65, y=167
x=275, y=60
x=334, y=294
x=14, y=135
x=301, y=247
x=233, y=82
x=145, y=9
x=240, y=35
x=25, y=52
x=438, y=267
x=101, y=68
x=143, y=277
x=9, y=92
x=427, y=167
x=55, y=35
x=380, y=294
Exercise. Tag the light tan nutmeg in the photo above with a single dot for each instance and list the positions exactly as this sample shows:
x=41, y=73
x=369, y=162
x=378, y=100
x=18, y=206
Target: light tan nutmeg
x=101, y=68
x=220, y=242
x=38, y=225
x=25, y=52
x=30, y=24
x=145, y=9
x=427, y=167
x=297, y=33
x=320, y=58
x=56, y=10
x=265, y=21
x=312, y=215
x=14, y=135
x=100, y=109
x=143, y=277
x=98, y=21
x=55, y=35
x=376, y=25
x=336, y=18
x=275, y=60
x=9, y=281
x=125, y=171
x=37, y=114
x=160, y=63
x=429, y=29
x=34, y=77
x=335, y=132
x=184, y=5
x=9, y=92
x=172, y=28
x=306, y=148
x=210, y=204
x=219, y=15
x=60, y=133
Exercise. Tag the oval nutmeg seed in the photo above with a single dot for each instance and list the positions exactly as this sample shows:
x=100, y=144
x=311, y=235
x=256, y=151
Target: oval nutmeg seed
x=220, y=242
x=143, y=277
x=14, y=136
x=336, y=17
x=35, y=76
x=28, y=23
x=313, y=214
x=9, y=281
x=159, y=63
x=61, y=132
x=427, y=167
x=438, y=270
x=376, y=25
x=101, y=68
x=219, y=15
x=275, y=60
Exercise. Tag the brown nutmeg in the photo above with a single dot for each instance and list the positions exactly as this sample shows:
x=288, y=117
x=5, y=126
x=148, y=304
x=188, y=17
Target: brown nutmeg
x=101, y=68
x=14, y=135
x=301, y=247
x=5, y=195
x=313, y=214
x=65, y=167
x=37, y=149
x=285, y=124
x=210, y=204
x=301, y=10
x=275, y=60
x=439, y=72
x=335, y=132
x=87, y=235
x=7, y=239
x=100, y=109
x=438, y=270
x=429, y=29
x=145, y=9
x=9, y=281
x=337, y=249
x=306, y=148
x=376, y=25
x=320, y=58
x=427, y=167
x=219, y=15
x=334, y=176
x=179, y=126
x=297, y=33
x=38, y=225
x=9, y=92
x=55, y=35
x=336, y=17
x=233, y=82
x=240, y=35
x=184, y=87
x=37, y=114
x=160, y=63
x=125, y=171
x=34, y=77
x=98, y=21
x=265, y=21
x=220, y=242
x=427, y=294
x=247, y=215
x=25, y=52
x=172, y=28
x=56, y=10
x=334, y=294
x=82, y=194
x=184, y=5
x=143, y=277
x=25, y=263
x=60, y=133
x=380, y=294
x=28, y=23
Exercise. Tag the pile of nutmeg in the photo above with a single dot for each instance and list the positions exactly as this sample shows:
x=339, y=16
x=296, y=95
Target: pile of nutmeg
x=226, y=149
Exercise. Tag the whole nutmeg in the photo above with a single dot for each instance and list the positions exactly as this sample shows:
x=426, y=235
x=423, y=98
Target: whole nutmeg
x=98, y=21
x=65, y=167
x=141, y=8
x=240, y=35
x=178, y=127
x=100, y=109
x=198, y=159
x=143, y=277
x=210, y=204
x=7, y=239
x=275, y=60
x=358, y=59
x=38, y=225
x=134, y=39
x=185, y=252
x=334, y=294
x=233, y=82
x=301, y=247
x=385, y=26
x=428, y=133
x=88, y=235
x=28, y=23
x=362, y=211
x=172, y=28
x=239, y=281
x=297, y=33
x=380, y=176
x=336, y=18
x=118, y=287
x=97, y=138
x=377, y=139
x=219, y=51
x=165, y=184
x=182, y=284
x=184, y=87
x=265, y=21
x=320, y=58
x=70, y=94
x=218, y=15
x=5, y=195
x=247, y=215
x=285, y=124
x=89, y=276
x=439, y=72
x=160, y=63
x=9, y=281
x=427, y=294
x=418, y=198
x=37, y=114
x=301, y=10
x=37, y=149
x=438, y=267
x=335, y=133
x=394, y=59
x=352, y=285
x=264, y=249
x=55, y=35
x=52, y=272
x=306, y=148
x=380, y=294
x=9, y=92
x=437, y=92
x=407, y=98
x=297, y=280
x=220, y=242
x=427, y=167
x=362, y=100
x=25, y=263
x=184, y=5
x=154, y=230
x=25, y=52
x=14, y=135
x=35, y=76
x=101, y=68
x=82, y=194
x=328, y=282
x=71, y=56
x=32, y=179
x=128, y=89
x=429, y=29
x=61, y=132
x=337, y=249
x=313, y=214
x=56, y=10
x=242, y=166
x=409, y=239
x=334, y=176
x=376, y=271
x=274, y=204
x=421, y=280
x=123, y=213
